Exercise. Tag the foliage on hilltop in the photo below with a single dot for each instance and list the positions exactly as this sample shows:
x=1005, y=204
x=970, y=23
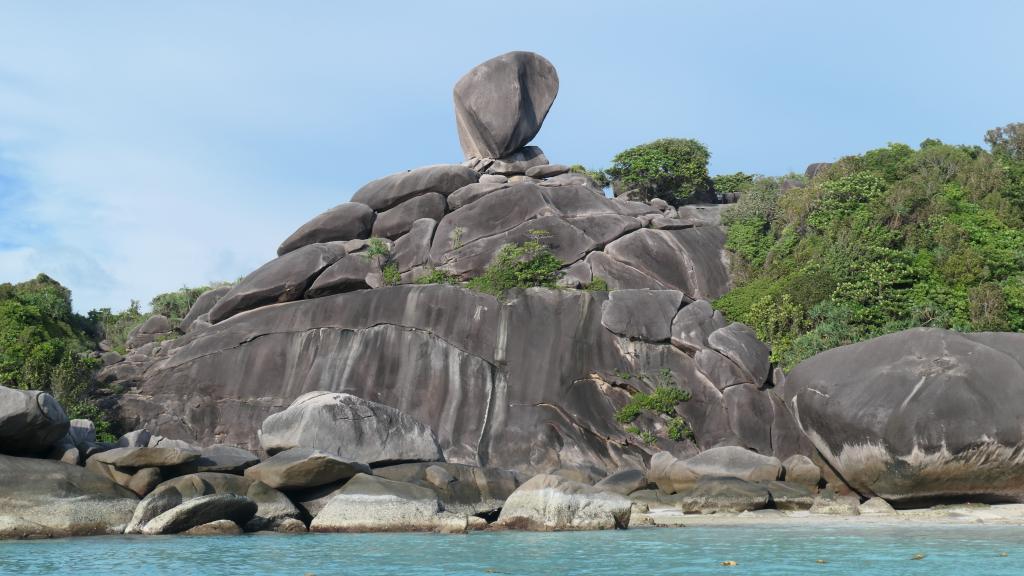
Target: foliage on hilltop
x=673, y=169
x=891, y=239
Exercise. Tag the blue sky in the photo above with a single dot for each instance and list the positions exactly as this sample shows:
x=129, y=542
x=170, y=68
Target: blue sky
x=145, y=146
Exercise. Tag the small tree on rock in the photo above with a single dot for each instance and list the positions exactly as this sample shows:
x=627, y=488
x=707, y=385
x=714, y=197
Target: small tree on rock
x=673, y=169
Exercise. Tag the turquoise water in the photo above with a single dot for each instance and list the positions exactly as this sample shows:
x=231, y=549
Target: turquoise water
x=758, y=550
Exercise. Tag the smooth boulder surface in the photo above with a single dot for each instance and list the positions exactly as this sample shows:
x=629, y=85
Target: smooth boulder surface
x=624, y=482
x=739, y=343
x=735, y=462
x=273, y=507
x=348, y=221
x=461, y=488
x=802, y=470
x=202, y=510
x=352, y=428
x=641, y=314
x=44, y=498
x=519, y=162
x=693, y=324
x=227, y=459
x=203, y=304
x=397, y=221
x=919, y=415
x=392, y=190
x=298, y=468
x=547, y=503
x=146, y=457
x=790, y=496
x=715, y=494
x=371, y=504
x=283, y=279
x=501, y=104
x=30, y=421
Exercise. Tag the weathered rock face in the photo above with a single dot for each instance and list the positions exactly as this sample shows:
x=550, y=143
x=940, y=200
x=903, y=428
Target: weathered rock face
x=547, y=502
x=206, y=301
x=918, y=415
x=30, y=421
x=202, y=510
x=501, y=104
x=674, y=475
x=461, y=488
x=348, y=221
x=298, y=468
x=357, y=430
x=391, y=191
x=43, y=498
x=272, y=507
x=283, y=279
x=371, y=504
x=531, y=384
x=712, y=495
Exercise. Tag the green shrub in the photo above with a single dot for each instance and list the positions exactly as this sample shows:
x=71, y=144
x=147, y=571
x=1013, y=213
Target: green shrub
x=596, y=285
x=438, y=276
x=673, y=169
x=390, y=275
x=523, y=265
x=662, y=400
x=679, y=430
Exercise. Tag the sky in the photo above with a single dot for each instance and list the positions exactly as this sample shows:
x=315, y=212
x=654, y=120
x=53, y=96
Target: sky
x=145, y=146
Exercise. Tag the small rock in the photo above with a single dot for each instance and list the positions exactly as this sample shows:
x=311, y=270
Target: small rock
x=876, y=505
x=298, y=468
x=216, y=528
x=802, y=470
x=493, y=179
x=546, y=170
x=839, y=506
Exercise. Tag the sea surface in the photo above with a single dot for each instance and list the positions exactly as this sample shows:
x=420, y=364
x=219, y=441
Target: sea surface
x=756, y=550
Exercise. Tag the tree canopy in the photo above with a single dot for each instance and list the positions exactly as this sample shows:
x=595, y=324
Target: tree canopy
x=673, y=169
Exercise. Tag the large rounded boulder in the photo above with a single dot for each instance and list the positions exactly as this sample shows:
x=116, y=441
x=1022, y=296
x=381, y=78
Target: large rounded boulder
x=918, y=415
x=500, y=105
x=357, y=430
x=30, y=421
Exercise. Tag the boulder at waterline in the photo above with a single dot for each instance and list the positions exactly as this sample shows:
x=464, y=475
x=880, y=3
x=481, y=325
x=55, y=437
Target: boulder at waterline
x=392, y=190
x=273, y=507
x=350, y=427
x=30, y=421
x=348, y=221
x=717, y=494
x=202, y=510
x=283, y=279
x=547, y=502
x=918, y=415
x=371, y=504
x=298, y=468
x=671, y=474
x=461, y=488
x=876, y=505
x=501, y=104
x=215, y=528
x=43, y=498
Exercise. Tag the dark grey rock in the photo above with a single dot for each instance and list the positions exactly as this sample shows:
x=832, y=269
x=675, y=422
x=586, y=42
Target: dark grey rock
x=790, y=496
x=283, y=279
x=144, y=481
x=641, y=314
x=472, y=192
x=48, y=499
x=816, y=168
x=547, y=502
x=723, y=494
x=518, y=162
x=298, y=468
x=134, y=439
x=351, y=428
x=689, y=260
x=624, y=482
x=739, y=343
x=413, y=249
x=224, y=458
x=461, y=488
x=576, y=276
x=392, y=190
x=348, y=221
x=272, y=506
x=898, y=416
x=146, y=457
x=720, y=370
x=111, y=357
x=802, y=470
x=202, y=510
x=30, y=421
x=202, y=306
x=748, y=409
x=398, y=220
x=671, y=474
x=735, y=462
x=547, y=170
x=353, y=272
x=371, y=504
x=501, y=103
x=155, y=324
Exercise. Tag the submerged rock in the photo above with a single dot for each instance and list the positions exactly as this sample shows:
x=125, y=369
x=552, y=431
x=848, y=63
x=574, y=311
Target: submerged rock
x=547, y=502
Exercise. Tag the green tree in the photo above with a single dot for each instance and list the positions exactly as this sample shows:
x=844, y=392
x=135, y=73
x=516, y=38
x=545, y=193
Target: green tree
x=673, y=169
